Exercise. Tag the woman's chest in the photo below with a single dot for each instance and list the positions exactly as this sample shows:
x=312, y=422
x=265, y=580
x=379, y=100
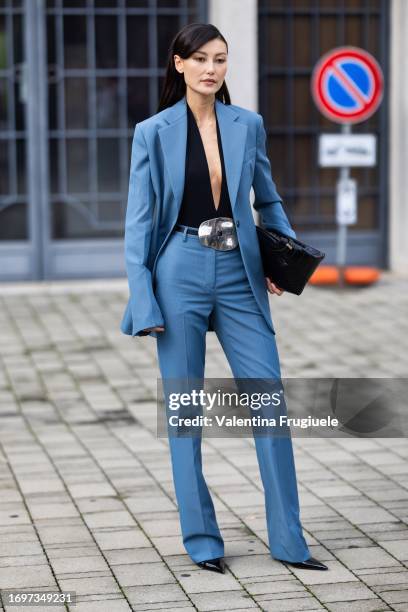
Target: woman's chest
x=210, y=146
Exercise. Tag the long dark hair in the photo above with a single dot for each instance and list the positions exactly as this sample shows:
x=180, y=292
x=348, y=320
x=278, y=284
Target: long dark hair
x=187, y=41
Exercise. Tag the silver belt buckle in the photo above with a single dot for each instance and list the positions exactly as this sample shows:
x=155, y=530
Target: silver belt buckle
x=219, y=233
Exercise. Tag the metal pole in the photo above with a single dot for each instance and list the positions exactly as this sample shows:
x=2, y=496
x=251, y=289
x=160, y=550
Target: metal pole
x=32, y=87
x=344, y=174
x=34, y=14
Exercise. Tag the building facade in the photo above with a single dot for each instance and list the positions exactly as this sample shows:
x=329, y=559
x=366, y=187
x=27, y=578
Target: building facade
x=76, y=75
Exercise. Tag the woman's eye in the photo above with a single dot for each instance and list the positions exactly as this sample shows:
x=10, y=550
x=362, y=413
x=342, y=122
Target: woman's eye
x=202, y=59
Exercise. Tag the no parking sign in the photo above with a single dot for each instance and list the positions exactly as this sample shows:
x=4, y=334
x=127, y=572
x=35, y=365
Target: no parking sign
x=347, y=85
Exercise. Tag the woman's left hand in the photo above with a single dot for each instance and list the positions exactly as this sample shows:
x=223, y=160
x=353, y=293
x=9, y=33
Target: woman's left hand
x=272, y=288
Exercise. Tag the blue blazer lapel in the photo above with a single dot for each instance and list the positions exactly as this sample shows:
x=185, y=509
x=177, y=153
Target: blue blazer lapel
x=173, y=139
x=233, y=139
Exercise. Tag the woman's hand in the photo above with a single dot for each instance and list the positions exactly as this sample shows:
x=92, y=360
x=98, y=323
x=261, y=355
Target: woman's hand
x=156, y=329
x=272, y=288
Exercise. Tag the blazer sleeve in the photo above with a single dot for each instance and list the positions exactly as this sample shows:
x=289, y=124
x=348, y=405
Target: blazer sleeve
x=267, y=200
x=138, y=226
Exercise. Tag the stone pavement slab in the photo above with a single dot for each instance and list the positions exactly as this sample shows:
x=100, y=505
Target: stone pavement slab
x=87, y=500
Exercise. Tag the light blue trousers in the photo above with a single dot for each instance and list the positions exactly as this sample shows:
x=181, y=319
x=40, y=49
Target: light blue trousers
x=193, y=281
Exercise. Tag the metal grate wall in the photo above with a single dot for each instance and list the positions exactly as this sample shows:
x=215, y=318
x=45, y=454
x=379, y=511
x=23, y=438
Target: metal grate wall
x=94, y=68
x=293, y=35
x=106, y=67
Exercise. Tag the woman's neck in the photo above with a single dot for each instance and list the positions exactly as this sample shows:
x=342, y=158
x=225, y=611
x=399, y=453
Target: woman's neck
x=202, y=107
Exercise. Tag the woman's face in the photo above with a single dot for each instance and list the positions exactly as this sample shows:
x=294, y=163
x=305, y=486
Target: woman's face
x=204, y=71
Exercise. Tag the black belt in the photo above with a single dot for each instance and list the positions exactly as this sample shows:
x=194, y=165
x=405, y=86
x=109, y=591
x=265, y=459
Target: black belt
x=190, y=230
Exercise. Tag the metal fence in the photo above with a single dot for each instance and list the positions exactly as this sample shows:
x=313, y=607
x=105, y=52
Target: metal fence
x=75, y=77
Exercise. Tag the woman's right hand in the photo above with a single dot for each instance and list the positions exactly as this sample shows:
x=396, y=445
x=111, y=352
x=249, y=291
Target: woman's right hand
x=156, y=329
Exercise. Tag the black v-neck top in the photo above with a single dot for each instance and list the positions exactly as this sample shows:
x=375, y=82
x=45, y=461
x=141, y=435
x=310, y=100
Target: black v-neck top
x=198, y=203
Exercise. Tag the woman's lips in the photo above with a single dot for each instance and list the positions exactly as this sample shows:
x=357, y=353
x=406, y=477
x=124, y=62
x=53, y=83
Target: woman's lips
x=209, y=82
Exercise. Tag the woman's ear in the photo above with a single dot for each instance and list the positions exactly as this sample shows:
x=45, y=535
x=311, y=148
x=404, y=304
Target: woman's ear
x=178, y=63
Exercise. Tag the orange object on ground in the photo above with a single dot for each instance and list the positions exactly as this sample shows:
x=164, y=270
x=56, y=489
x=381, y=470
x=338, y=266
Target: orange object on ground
x=354, y=275
x=325, y=275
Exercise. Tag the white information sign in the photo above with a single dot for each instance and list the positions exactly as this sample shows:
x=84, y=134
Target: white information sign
x=346, y=201
x=341, y=150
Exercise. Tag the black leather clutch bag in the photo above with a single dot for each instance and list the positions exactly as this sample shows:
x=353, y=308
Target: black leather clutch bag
x=287, y=261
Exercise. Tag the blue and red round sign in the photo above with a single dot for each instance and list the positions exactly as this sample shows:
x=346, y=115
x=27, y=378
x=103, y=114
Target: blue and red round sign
x=347, y=85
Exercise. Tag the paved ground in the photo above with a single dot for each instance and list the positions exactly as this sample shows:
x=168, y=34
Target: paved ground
x=87, y=501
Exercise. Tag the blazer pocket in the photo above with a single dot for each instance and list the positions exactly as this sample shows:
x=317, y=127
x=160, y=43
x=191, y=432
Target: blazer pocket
x=249, y=154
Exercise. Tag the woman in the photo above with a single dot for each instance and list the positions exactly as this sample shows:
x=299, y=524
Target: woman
x=194, y=265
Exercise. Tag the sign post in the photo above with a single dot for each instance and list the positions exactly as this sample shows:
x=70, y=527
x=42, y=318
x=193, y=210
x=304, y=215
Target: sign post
x=347, y=87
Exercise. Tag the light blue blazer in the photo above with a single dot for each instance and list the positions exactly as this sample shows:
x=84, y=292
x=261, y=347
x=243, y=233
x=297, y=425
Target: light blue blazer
x=156, y=185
